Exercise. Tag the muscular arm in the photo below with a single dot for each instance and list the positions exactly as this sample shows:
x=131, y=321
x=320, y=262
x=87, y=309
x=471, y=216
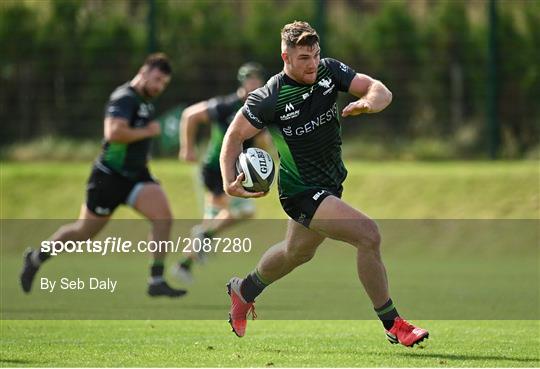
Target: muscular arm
x=373, y=96
x=239, y=131
x=118, y=130
x=191, y=118
x=263, y=140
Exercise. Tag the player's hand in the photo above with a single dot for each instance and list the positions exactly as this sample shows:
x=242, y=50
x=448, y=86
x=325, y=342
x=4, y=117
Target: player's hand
x=356, y=107
x=188, y=155
x=236, y=189
x=154, y=129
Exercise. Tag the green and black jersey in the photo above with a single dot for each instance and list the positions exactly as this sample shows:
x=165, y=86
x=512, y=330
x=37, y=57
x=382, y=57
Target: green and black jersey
x=303, y=121
x=221, y=111
x=128, y=160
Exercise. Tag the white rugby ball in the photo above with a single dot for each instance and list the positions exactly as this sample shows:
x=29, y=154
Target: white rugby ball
x=258, y=168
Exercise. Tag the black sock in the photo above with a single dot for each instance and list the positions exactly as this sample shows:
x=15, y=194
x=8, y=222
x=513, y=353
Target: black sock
x=387, y=313
x=42, y=256
x=186, y=263
x=252, y=286
x=156, y=271
x=37, y=257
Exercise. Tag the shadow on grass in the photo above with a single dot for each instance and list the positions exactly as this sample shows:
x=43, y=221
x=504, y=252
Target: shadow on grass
x=467, y=357
x=17, y=361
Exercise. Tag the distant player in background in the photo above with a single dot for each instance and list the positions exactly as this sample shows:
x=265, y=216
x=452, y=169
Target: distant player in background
x=299, y=106
x=220, y=210
x=121, y=175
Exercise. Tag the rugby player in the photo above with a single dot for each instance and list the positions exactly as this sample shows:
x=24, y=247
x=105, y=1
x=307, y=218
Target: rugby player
x=121, y=176
x=299, y=107
x=220, y=210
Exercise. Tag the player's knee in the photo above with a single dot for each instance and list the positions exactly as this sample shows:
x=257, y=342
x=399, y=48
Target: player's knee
x=369, y=236
x=164, y=213
x=374, y=240
x=162, y=220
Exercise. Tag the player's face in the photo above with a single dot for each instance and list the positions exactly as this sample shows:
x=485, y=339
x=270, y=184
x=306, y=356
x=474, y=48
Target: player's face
x=155, y=82
x=303, y=62
x=252, y=83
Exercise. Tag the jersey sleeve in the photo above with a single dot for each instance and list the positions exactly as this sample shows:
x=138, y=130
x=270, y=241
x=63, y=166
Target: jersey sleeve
x=122, y=107
x=258, y=108
x=342, y=73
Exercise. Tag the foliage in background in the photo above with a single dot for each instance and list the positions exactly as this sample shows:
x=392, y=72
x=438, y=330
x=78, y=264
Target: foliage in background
x=62, y=58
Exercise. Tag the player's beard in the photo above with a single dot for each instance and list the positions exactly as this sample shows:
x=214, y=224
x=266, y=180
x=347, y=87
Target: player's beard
x=148, y=93
x=306, y=79
x=310, y=79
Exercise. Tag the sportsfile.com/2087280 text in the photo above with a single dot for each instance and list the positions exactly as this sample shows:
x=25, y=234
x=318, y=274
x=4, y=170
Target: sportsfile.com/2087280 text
x=112, y=245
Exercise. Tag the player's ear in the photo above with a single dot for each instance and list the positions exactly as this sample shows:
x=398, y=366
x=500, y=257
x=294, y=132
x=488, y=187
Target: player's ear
x=285, y=57
x=143, y=71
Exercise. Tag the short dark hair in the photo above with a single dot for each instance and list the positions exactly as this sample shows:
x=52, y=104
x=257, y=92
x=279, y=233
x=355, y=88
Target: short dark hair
x=159, y=61
x=299, y=33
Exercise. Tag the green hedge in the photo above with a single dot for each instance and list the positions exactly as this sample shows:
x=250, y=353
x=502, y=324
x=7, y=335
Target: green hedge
x=62, y=58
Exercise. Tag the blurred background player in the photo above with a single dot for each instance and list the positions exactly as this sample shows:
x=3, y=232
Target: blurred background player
x=121, y=175
x=220, y=210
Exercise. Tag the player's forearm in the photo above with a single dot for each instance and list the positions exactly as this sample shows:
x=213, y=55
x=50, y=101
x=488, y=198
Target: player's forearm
x=230, y=150
x=188, y=129
x=127, y=135
x=378, y=97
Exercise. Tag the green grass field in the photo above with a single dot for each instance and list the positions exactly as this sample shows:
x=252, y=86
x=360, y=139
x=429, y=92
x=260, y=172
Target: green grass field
x=460, y=190
x=473, y=283
x=270, y=343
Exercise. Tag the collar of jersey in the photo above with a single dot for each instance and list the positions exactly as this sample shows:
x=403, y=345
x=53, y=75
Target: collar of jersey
x=288, y=80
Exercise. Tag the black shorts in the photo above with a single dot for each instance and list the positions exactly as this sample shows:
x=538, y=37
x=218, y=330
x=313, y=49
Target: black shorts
x=107, y=189
x=212, y=180
x=302, y=206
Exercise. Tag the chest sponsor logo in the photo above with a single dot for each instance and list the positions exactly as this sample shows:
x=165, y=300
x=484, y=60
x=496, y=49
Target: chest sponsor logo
x=312, y=125
x=290, y=113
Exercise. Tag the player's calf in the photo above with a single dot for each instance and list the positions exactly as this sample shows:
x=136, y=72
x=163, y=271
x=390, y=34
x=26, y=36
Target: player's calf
x=298, y=256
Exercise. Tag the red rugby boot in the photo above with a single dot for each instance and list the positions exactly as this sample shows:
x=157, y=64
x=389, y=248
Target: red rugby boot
x=405, y=333
x=239, y=307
